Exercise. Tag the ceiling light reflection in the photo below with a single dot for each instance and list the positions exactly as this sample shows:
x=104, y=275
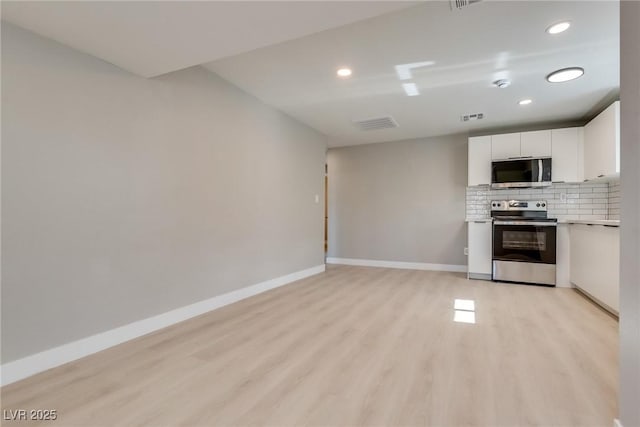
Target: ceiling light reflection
x=462, y=316
x=502, y=60
x=404, y=70
x=410, y=89
x=464, y=304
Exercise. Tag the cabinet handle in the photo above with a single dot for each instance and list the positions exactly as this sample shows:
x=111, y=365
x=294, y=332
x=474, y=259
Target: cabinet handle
x=600, y=176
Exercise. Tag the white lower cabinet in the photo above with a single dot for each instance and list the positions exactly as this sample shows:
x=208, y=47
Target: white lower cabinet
x=595, y=262
x=480, y=249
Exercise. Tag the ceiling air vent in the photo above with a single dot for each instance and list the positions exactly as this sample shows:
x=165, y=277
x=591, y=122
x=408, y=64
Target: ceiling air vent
x=470, y=117
x=459, y=4
x=375, y=123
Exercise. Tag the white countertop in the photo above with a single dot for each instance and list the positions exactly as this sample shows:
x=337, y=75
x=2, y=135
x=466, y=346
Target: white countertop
x=609, y=222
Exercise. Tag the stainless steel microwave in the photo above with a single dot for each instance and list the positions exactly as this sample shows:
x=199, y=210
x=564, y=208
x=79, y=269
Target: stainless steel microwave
x=521, y=172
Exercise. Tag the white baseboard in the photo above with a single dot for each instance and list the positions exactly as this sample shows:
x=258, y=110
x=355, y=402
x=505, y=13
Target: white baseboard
x=22, y=368
x=398, y=264
x=617, y=423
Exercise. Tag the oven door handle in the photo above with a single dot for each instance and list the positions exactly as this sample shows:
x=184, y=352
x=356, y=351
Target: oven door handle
x=534, y=223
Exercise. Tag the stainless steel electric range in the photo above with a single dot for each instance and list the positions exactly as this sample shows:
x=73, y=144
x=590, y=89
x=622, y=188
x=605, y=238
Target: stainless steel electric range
x=524, y=242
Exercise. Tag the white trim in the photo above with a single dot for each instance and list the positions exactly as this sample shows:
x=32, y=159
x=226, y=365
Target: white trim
x=617, y=423
x=22, y=368
x=479, y=276
x=398, y=264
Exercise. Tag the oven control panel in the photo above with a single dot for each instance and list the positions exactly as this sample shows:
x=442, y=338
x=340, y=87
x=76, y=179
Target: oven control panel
x=519, y=205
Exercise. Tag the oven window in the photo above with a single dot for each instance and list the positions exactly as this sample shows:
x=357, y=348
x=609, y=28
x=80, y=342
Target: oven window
x=524, y=240
x=513, y=171
x=529, y=243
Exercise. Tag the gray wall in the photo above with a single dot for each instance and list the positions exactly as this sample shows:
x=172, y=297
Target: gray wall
x=123, y=197
x=399, y=201
x=630, y=214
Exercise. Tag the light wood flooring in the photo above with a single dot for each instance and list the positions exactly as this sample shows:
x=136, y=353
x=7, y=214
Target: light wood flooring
x=354, y=346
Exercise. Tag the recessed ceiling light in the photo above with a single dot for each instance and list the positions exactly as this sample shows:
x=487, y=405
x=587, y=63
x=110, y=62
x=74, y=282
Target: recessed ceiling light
x=525, y=102
x=565, y=74
x=344, y=72
x=559, y=27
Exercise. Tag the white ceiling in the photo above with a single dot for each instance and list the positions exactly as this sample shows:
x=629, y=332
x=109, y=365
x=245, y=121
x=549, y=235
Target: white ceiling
x=469, y=49
x=286, y=54
x=150, y=38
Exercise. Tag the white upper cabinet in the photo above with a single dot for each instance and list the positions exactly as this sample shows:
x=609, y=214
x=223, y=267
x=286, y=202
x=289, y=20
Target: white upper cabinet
x=479, y=170
x=525, y=144
x=505, y=146
x=602, y=144
x=577, y=153
x=535, y=144
x=566, y=149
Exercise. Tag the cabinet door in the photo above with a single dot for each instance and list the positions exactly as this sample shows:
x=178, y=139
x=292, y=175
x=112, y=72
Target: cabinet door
x=564, y=155
x=602, y=143
x=535, y=144
x=479, y=170
x=578, y=270
x=505, y=146
x=480, y=249
x=595, y=262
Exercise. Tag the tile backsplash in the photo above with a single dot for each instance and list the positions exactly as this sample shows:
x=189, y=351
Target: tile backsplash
x=586, y=200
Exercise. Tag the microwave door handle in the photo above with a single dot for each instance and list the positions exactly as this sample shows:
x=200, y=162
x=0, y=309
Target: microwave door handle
x=539, y=170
